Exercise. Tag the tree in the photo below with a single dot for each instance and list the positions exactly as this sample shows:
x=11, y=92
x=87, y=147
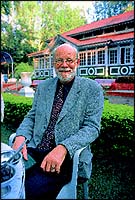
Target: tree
x=22, y=67
x=105, y=9
x=58, y=17
x=26, y=25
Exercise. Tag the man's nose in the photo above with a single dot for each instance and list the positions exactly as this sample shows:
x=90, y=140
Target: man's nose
x=64, y=64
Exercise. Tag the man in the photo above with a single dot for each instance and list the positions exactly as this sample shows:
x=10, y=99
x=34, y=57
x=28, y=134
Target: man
x=54, y=136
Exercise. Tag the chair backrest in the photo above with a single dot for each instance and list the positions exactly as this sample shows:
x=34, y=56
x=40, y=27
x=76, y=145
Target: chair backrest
x=69, y=191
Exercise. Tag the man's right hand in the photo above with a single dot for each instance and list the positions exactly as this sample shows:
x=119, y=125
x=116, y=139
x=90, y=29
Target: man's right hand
x=18, y=141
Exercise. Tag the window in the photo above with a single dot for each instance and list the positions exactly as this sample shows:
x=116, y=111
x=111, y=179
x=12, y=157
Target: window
x=91, y=56
x=101, y=57
x=41, y=63
x=125, y=55
x=113, y=56
x=82, y=57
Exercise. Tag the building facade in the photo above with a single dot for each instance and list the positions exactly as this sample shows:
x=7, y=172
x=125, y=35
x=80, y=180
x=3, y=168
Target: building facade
x=106, y=48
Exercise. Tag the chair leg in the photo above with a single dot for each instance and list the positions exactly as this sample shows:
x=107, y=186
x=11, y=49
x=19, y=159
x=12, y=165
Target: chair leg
x=85, y=190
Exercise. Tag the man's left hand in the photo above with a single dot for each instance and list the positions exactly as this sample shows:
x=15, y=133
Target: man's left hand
x=53, y=161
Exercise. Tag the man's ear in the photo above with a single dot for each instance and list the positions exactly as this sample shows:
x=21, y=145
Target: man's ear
x=78, y=62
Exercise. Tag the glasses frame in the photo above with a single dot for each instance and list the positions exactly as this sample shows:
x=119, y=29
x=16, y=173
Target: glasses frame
x=68, y=61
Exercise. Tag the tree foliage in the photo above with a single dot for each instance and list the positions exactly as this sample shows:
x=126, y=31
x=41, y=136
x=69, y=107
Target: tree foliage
x=26, y=25
x=22, y=67
x=105, y=9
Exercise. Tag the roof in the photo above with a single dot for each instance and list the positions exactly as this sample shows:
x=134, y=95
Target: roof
x=45, y=51
x=98, y=39
x=117, y=19
x=101, y=38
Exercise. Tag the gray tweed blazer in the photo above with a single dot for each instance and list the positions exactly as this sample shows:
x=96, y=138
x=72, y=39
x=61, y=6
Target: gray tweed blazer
x=78, y=124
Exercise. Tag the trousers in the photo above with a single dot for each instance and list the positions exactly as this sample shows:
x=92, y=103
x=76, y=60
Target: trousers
x=45, y=185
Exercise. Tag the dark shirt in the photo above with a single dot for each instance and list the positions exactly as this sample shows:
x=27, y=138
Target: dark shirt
x=67, y=87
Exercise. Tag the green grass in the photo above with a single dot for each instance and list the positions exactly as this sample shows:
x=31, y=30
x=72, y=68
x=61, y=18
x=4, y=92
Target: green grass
x=112, y=177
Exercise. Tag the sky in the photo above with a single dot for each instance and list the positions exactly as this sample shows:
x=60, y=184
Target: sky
x=85, y=5
x=81, y=4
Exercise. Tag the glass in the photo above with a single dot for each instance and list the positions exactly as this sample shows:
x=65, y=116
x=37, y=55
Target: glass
x=61, y=61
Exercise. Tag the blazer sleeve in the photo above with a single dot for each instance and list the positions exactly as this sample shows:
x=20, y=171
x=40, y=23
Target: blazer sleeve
x=90, y=127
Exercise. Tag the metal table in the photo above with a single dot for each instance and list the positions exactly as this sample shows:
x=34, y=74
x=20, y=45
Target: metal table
x=16, y=186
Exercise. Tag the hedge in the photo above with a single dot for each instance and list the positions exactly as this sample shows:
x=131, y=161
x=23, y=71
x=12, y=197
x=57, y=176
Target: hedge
x=117, y=125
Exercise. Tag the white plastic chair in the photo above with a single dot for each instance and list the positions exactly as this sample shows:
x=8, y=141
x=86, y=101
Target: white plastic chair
x=69, y=191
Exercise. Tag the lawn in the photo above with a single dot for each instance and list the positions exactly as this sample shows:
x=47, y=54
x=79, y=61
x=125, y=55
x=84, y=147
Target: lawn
x=112, y=177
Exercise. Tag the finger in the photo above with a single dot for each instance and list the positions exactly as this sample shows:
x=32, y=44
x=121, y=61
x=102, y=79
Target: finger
x=24, y=152
x=48, y=167
x=53, y=168
x=43, y=165
x=57, y=168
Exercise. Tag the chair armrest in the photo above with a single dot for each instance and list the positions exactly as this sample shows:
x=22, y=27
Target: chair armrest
x=76, y=163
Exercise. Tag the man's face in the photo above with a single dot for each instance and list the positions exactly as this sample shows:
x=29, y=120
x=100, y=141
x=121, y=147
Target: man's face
x=65, y=63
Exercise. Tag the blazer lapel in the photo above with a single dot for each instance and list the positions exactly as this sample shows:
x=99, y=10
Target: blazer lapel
x=50, y=93
x=71, y=98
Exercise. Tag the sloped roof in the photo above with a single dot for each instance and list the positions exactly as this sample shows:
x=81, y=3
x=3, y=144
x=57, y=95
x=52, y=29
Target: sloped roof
x=121, y=18
x=45, y=51
x=114, y=36
x=101, y=39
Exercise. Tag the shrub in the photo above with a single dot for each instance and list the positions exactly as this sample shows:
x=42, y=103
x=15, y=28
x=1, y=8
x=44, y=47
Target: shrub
x=125, y=79
x=22, y=67
x=117, y=125
x=16, y=107
x=117, y=131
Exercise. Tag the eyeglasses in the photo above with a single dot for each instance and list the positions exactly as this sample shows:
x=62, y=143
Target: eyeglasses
x=61, y=61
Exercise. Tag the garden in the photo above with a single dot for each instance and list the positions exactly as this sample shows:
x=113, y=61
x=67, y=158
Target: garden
x=113, y=152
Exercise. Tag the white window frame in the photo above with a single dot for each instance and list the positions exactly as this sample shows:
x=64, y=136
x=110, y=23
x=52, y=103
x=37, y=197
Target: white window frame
x=125, y=55
x=82, y=57
x=102, y=56
x=92, y=57
x=114, y=57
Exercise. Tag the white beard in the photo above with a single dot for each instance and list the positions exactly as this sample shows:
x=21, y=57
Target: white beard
x=68, y=78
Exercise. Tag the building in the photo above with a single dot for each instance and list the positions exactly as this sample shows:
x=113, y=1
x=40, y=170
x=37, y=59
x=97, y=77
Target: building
x=106, y=48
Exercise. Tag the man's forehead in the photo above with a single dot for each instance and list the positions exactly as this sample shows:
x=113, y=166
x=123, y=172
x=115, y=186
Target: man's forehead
x=65, y=51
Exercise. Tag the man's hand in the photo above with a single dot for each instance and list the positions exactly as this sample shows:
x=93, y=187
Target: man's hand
x=18, y=141
x=53, y=161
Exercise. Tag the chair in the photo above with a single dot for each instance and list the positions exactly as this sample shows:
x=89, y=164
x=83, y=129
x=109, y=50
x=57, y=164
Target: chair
x=69, y=191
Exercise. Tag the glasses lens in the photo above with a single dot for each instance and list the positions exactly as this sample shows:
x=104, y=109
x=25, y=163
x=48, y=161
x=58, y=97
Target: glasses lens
x=61, y=61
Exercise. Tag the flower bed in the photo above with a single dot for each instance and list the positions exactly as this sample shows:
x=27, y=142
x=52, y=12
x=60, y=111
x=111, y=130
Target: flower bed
x=122, y=86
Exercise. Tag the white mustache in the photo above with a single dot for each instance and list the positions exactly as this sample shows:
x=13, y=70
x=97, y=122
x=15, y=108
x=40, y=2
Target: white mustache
x=64, y=69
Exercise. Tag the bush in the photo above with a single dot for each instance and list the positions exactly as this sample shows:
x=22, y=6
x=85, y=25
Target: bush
x=117, y=131
x=117, y=125
x=99, y=77
x=125, y=79
x=16, y=107
x=22, y=67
